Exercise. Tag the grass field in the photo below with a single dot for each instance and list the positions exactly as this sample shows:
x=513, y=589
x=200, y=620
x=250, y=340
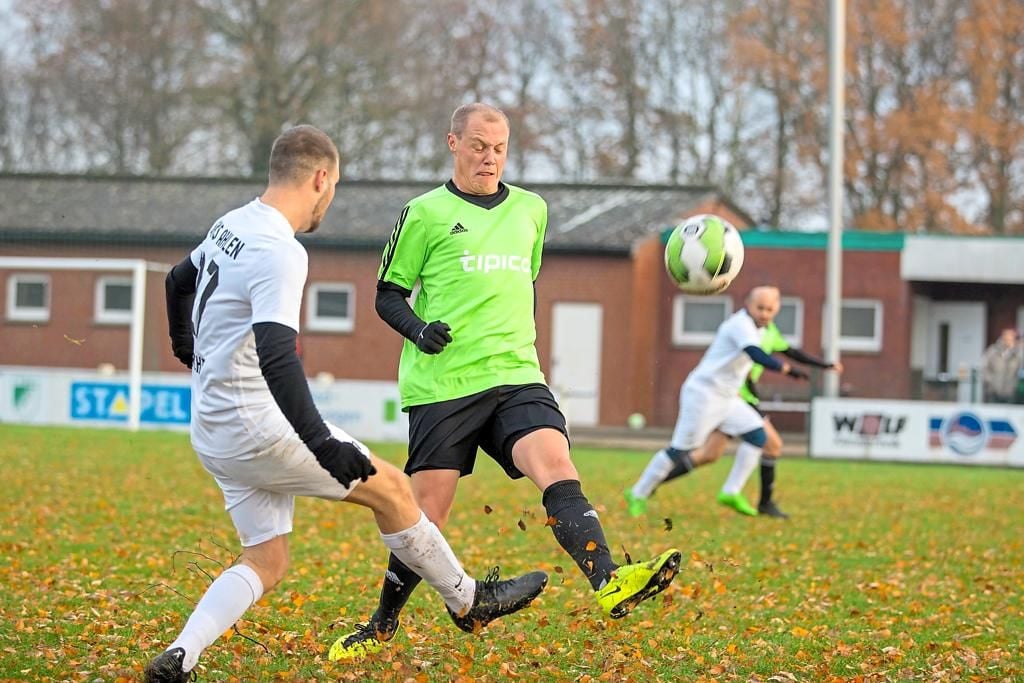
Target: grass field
x=885, y=572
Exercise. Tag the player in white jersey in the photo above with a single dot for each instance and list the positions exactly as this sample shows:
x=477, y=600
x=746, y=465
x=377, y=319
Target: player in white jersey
x=709, y=400
x=233, y=311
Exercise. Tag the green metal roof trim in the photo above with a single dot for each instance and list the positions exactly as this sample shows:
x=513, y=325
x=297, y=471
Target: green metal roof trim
x=853, y=240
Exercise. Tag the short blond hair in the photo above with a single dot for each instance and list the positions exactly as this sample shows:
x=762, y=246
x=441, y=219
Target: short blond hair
x=461, y=115
x=298, y=152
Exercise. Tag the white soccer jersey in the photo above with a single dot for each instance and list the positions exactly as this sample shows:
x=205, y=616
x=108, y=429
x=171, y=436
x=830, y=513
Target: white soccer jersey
x=725, y=365
x=251, y=270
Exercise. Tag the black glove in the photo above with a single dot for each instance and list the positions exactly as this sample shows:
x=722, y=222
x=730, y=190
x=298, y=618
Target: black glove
x=433, y=337
x=183, y=352
x=797, y=373
x=344, y=461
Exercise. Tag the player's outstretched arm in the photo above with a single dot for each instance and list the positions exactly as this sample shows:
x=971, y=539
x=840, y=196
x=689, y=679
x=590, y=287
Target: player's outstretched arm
x=180, y=289
x=392, y=307
x=759, y=356
x=282, y=369
x=800, y=357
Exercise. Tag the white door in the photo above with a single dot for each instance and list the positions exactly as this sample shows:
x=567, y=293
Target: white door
x=576, y=360
x=956, y=337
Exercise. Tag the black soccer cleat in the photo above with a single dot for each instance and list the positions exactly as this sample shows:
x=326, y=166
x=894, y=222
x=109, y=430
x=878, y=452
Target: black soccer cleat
x=495, y=598
x=771, y=510
x=166, y=668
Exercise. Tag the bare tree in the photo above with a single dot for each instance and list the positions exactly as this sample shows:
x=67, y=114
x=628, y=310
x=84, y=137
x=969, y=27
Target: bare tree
x=990, y=42
x=114, y=79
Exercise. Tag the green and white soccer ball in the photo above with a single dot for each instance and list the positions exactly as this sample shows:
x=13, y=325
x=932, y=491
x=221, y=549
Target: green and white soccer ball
x=704, y=254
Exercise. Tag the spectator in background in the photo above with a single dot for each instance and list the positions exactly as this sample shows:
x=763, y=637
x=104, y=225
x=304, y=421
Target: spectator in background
x=1001, y=366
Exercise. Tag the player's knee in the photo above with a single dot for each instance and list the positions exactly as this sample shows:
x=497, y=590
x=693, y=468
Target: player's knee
x=756, y=437
x=391, y=483
x=773, y=446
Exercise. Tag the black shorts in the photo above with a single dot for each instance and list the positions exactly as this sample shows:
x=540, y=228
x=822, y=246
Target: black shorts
x=446, y=435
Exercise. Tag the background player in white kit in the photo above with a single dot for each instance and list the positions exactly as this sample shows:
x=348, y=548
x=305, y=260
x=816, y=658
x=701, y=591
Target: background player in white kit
x=233, y=310
x=709, y=400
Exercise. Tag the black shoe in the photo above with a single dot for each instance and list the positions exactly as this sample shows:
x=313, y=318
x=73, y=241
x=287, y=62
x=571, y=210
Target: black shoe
x=772, y=510
x=496, y=598
x=166, y=668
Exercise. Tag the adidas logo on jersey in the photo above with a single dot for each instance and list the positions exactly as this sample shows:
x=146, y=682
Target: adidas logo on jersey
x=458, y=229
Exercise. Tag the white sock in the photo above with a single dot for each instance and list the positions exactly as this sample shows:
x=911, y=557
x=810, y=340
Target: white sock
x=747, y=458
x=655, y=473
x=424, y=550
x=224, y=603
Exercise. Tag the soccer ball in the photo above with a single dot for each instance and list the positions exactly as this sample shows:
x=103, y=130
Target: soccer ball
x=704, y=254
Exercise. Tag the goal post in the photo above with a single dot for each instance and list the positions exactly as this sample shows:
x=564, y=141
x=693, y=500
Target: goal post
x=137, y=268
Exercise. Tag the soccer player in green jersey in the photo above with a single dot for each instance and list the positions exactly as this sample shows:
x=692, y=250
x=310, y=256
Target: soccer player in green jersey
x=469, y=375
x=774, y=342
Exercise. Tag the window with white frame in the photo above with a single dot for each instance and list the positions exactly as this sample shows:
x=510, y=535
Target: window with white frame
x=790, y=321
x=695, y=319
x=28, y=298
x=330, y=307
x=113, y=300
x=860, y=325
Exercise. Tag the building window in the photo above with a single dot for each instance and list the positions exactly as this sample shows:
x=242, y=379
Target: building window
x=790, y=321
x=860, y=325
x=28, y=298
x=113, y=300
x=330, y=307
x=696, y=319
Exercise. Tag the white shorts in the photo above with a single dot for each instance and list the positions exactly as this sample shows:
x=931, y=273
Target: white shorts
x=702, y=410
x=260, y=487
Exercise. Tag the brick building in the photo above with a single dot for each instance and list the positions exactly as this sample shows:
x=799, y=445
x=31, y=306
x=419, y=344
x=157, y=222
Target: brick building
x=614, y=336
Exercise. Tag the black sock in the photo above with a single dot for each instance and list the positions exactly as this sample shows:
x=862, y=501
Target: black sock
x=578, y=530
x=683, y=463
x=767, y=479
x=399, y=583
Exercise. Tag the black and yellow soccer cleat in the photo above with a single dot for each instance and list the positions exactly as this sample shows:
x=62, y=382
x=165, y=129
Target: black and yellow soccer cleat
x=631, y=584
x=366, y=640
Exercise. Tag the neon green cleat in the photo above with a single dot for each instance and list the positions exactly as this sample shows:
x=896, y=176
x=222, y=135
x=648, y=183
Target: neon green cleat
x=636, y=505
x=631, y=584
x=366, y=640
x=737, y=502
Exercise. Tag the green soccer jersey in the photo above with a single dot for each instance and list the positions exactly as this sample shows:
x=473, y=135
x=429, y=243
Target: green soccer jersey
x=771, y=342
x=476, y=267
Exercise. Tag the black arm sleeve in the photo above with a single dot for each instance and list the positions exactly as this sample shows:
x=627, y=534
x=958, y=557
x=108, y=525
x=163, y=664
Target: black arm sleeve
x=762, y=358
x=180, y=288
x=393, y=309
x=801, y=357
x=280, y=365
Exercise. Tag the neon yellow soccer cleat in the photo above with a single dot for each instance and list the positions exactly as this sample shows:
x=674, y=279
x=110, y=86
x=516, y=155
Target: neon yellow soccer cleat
x=367, y=639
x=737, y=502
x=631, y=584
x=636, y=505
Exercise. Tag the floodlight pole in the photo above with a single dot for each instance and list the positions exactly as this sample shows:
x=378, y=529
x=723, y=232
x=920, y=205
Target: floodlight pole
x=834, y=257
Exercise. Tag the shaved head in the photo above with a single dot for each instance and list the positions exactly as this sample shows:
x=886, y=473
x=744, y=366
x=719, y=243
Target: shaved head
x=764, y=293
x=763, y=304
